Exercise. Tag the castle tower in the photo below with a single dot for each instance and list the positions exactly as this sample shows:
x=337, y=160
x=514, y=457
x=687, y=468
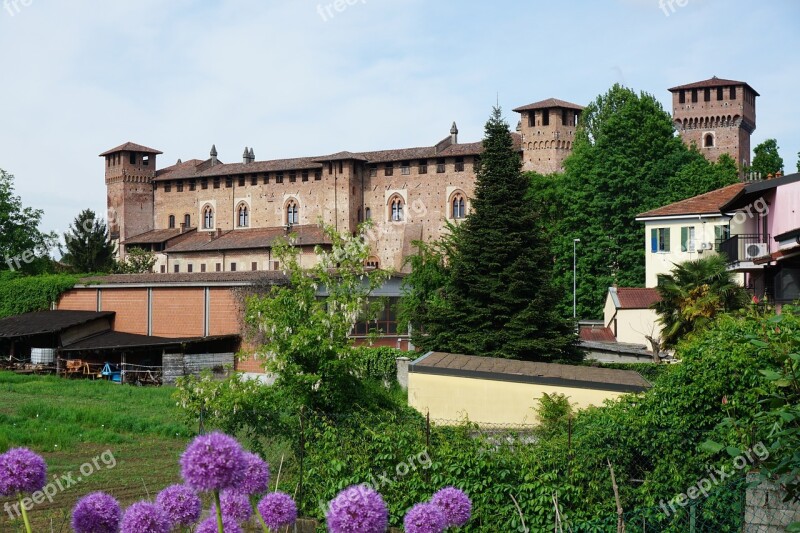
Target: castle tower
x=548, y=133
x=130, y=169
x=716, y=115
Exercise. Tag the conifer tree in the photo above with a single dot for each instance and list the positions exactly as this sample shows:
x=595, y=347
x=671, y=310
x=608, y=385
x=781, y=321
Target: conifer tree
x=498, y=299
x=88, y=248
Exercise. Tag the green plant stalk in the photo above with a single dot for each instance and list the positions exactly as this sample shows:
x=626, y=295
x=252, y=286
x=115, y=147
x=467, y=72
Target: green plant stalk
x=25, y=515
x=258, y=514
x=219, y=512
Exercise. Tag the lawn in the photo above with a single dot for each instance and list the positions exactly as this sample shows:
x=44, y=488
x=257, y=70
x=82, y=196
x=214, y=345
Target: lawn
x=127, y=439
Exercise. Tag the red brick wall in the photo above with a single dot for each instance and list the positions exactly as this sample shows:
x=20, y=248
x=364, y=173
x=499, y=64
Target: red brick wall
x=178, y=312
x=225, y=312
x=78, y=300
x=130, y=306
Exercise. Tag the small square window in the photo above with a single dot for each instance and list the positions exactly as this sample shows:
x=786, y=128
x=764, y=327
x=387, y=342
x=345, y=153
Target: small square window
x=145, y=160
x=177, y=268
x=216, y=183
x=694, y=96
x=163, y=269
x=229, y=182
x=189, y=268
x=441, y=166
x=132, y=158
x=241, y=181
x=192, y=185
x=459, y=164
x=305, y=175
x=707, y=95
x=233, y=267
x=423, y=166
x=292, y=177
x=168, y=186
x=266, y=178
x=219, y=267
x=317, y=175
x=405, y=168
x=203, y=267
x=254, y=265
x=733, y=93
x=180, y=186
x=204, y=184
x=373, y=171
x=279, y=177
x=254, y=180
x=388, y=169
x=682, y=97
x=720, y=93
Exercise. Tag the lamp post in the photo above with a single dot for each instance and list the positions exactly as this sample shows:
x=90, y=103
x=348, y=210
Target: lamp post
x=575, y=277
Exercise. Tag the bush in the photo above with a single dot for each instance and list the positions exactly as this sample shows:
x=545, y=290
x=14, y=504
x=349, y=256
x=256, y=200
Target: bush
x=24, y=294
x=378, y=363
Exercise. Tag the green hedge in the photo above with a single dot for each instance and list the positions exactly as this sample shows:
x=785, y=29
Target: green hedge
x=24, y=294
x=377, y=362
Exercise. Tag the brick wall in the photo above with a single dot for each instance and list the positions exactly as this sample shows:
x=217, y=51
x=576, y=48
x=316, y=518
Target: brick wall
x=225, y=312
x=130, y=306
x=178, y=312
x=78, y=300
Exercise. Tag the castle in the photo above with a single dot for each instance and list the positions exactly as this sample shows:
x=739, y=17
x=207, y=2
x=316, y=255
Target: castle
x=209, y=216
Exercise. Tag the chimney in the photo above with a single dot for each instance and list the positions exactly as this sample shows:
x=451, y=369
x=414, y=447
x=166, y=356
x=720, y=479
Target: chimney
x=183, y=227
x=213, y=154
x=218, y=233
x=252, y=155
x=454, y=134
x=246, y=156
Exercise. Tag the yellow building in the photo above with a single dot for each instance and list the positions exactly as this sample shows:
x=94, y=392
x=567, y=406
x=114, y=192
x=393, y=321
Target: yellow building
x=494, y=391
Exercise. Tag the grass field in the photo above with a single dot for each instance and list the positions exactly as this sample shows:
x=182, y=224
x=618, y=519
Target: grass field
x=130, y=438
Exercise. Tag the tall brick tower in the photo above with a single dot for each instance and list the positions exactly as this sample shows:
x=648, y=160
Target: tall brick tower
x=130, y=169
x=548, y=133
x=718, y=116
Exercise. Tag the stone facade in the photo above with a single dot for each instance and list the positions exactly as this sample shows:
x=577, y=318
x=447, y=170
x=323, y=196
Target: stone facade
x=716, y=115
x=765, y=511
x=548, y=133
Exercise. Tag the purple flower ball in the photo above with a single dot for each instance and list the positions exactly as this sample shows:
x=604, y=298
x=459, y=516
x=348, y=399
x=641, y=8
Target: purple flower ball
x=145, y=517
x=278, y=510
x=209, y=525
x=213, y=462
x=455, y=505
x=182, y=505
x=256, y=475
x=235, y=505
x=425, y=518
x=21, y=471
x=357, y=509
x=96, y=513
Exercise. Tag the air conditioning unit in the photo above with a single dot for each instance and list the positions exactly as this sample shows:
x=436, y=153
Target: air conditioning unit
x=755, y=250
x=706, y=246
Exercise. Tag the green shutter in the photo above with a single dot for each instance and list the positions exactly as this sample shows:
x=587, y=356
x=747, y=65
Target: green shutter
x=666, y=239
x=684, y=239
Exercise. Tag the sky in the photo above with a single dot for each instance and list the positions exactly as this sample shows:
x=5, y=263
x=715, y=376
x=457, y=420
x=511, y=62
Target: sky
x=297, y=78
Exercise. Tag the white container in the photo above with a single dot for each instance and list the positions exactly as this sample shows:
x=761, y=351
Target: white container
x=43, y=356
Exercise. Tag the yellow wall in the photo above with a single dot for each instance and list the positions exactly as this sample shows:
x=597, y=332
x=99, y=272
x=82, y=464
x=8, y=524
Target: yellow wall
x=633, y=324
x=487, y=401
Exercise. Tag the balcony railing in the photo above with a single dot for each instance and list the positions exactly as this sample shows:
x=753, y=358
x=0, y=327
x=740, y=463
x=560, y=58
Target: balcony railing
x=745, y=247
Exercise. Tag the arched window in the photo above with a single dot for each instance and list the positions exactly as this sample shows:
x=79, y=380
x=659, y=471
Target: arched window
x=396, y=206
x=244, y=216
x=187, y=221
x=171, y=222
x=292, y=212
x=458, y=206
x=709, y=141
x=368, y=214
x=208, y=217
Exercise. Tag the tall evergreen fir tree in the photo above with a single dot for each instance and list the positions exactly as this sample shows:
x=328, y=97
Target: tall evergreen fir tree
x=88, y=248
x=498, y=299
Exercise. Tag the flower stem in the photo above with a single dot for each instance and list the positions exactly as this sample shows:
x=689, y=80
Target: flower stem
x=258, y=514
x=219, y=512
x=25, y=515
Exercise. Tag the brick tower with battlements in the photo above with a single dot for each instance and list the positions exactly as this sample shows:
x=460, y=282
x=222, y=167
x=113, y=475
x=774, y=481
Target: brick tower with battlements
x=548, y=133
x=130, y=170
x=716, y=115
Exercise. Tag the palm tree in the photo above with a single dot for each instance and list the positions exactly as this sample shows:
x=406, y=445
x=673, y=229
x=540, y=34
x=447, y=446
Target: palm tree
x=693, y=294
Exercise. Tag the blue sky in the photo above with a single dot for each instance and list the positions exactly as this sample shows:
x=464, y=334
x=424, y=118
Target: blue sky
x=299, y=77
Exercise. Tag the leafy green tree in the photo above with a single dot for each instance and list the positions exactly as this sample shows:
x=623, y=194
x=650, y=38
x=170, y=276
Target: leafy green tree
x=626, y=160
x=497, y=299
x=137, y=261
x=692, y=296
x=87, y=246
x=766, y=159
x=303, y=338
x=798, y=161
x=22, y=244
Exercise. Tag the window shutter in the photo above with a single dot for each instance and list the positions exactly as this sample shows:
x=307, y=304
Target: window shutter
x=666, y=240
x=684, y=239
x=653, y=240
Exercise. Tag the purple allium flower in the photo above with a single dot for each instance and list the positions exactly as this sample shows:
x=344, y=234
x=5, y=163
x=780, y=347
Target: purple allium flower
x=235, y=505
x=278, y=510
x=455, y=505
x=256, y=475
x=96, y=513
x=213, y=462
x=182, y=505
x=209, y=525
x=357, y=509
x=145, y=517
x=21, y=471
x=425, y=518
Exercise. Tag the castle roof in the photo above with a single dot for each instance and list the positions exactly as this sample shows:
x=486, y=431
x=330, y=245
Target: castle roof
x=709, y=203
x=249, y=239
x=203, y=169
x=131, y=147
x=546, y=104
x=713, y=82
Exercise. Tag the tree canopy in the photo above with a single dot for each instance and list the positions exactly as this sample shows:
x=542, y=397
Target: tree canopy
x=626, y=160
x=766, y=159
x=23, y=246
x=487, y=289
x=87, y=246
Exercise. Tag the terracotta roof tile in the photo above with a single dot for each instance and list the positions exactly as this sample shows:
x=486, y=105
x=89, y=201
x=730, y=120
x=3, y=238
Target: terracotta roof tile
x=636, y=298
x=491, y=368
x=597, y=334
x=708, y=203
x=130, y=147
x=713, y=82
x=248, y=239
x=157, y=236
x=550, y=102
